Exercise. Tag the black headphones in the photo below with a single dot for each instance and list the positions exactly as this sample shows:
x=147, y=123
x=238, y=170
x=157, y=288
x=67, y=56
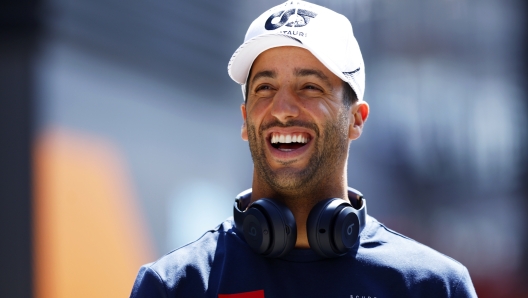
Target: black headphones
x=333, y=225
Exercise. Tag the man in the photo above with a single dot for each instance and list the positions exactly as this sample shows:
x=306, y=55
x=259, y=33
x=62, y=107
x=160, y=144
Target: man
x=300, y=231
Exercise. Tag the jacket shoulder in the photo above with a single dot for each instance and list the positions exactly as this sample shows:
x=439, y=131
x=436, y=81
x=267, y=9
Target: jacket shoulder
x=183, y=270
x=418, y=265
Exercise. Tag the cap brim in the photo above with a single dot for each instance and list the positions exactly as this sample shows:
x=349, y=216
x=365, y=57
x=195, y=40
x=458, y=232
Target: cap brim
x=243, y=58
x=241, y=61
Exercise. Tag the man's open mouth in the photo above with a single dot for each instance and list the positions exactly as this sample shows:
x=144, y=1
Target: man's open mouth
x=289, y=142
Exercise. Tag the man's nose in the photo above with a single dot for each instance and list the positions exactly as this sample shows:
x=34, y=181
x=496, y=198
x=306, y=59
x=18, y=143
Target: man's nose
x=285, y=105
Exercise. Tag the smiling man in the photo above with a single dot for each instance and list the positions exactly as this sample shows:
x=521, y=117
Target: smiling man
x=300, y=231
x=299, y=128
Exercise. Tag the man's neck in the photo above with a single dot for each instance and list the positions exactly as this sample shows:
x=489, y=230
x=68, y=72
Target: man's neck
x=301, y=203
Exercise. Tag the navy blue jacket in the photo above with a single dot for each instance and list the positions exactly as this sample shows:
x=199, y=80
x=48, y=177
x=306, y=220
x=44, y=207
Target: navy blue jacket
x=384, y=264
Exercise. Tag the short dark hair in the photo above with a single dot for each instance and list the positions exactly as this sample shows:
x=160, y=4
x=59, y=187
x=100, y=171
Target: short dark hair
x=349, y=96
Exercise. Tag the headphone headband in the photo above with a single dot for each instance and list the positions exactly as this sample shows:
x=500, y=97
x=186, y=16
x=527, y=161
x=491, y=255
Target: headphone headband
x=241, y=203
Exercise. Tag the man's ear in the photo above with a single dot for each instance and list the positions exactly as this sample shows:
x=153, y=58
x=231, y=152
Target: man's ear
x=243, y=131
x=359, y=114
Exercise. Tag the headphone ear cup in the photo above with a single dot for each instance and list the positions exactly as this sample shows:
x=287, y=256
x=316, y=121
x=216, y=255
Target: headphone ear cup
x=269, y=228
x=256, y=230
x=332, y=228
x=346, y=230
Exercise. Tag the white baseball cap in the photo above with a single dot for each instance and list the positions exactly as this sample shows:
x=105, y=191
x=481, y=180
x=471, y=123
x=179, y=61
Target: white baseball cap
x=326, y=34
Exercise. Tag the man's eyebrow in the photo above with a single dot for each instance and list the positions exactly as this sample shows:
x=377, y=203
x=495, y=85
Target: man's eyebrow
x=304, y=72
x=264, y=74
x=300, y=72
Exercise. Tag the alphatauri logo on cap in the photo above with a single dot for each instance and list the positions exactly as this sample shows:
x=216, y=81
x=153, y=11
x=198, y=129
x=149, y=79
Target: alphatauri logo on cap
x=291, y=18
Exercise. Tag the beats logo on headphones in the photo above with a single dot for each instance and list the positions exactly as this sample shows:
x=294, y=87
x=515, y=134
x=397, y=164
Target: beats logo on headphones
x=333, y=225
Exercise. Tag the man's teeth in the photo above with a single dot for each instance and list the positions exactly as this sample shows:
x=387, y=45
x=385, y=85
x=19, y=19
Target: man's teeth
x=279, y=138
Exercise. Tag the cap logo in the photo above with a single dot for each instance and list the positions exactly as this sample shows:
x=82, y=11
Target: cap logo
x=290, y=18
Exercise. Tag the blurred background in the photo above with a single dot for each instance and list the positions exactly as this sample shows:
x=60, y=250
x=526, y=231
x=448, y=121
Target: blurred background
x=120, y=134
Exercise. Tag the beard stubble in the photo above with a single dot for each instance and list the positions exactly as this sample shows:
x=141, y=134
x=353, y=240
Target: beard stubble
x=330, y=150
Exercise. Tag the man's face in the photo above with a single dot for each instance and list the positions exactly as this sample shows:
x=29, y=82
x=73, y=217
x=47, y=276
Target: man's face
x=295, y=121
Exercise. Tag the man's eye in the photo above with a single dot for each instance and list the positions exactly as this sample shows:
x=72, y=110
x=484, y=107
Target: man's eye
x=312, y=87
x=263, y=87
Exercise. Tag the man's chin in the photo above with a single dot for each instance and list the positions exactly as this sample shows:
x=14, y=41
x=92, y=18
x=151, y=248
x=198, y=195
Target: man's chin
x=287, y=179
